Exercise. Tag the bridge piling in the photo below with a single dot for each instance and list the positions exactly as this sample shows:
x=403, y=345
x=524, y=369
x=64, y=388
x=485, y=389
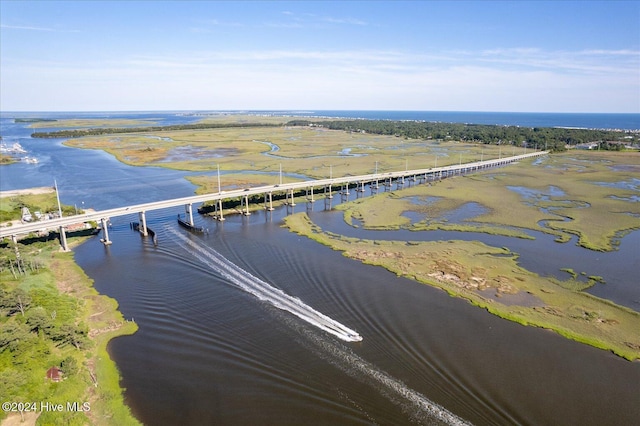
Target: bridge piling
x=105, y=232
x=270, y=207
x=330, y=192
x=143, y=224
x=63, y=239
x=188, y=208
x=246, y=211
x=290, y=203
x=218, y=212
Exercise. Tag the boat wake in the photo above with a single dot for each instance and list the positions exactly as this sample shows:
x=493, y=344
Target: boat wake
x=264, y=291
x=419, y=408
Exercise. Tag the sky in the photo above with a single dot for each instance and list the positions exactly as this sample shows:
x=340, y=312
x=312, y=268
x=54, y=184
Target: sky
x=538, y=56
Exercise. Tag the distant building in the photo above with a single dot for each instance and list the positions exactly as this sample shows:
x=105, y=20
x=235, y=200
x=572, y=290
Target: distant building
x=588, y=145
x=54, y=374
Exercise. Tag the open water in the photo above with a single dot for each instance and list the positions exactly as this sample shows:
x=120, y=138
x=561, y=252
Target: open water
x=209, y=351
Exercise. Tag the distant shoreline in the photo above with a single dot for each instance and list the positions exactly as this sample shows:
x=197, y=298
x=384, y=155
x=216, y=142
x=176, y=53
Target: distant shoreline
x=27, y=191
x=629, y=121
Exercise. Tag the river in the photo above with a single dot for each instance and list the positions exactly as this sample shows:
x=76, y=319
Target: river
x=210, y=352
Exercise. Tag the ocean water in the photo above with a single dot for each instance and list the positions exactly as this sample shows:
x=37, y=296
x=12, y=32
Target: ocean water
x=622, y=121
x=524, y=119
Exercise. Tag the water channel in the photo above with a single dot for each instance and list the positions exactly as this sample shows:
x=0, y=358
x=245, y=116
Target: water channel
x=208, y=352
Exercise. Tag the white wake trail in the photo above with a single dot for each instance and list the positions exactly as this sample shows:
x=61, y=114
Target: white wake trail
x=264, y=291
x=420, y=409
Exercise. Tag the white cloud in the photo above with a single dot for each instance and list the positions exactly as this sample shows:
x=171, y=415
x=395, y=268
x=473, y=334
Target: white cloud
x=35, y=28
x=533, y=80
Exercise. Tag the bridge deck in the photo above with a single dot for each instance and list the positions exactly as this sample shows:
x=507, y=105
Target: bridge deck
x=222, y=195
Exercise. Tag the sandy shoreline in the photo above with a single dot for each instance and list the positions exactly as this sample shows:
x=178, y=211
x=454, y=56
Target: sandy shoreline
x=28, y=191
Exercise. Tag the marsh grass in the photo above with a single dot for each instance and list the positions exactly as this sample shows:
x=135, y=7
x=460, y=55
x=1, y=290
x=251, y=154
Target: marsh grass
x=589, y=211
x=313, y=152
x=471, y=270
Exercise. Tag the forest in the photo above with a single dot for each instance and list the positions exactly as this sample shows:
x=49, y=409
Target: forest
x=77, y=133
x=549, y=138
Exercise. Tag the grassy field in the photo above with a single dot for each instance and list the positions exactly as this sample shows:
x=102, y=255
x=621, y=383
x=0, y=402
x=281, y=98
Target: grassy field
x=309, y=151
x=490, y=278
x=42, y=199
x=588, y=194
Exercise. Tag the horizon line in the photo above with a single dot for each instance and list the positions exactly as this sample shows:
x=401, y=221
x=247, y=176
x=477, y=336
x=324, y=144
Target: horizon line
x=303, y=110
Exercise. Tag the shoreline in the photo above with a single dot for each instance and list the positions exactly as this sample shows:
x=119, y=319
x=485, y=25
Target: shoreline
x=489, y=277
x=28, y=191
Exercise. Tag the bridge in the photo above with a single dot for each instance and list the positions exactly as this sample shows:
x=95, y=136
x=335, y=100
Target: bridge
x=374, y=180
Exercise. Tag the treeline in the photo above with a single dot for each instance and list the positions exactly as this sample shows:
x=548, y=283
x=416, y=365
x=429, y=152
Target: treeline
x=77, y=133
x=33, y=120
x=550, y=138
x=35, y=316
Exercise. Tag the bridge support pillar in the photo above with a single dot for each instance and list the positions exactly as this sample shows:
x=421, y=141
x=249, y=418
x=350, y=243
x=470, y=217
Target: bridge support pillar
x=290, y=194
x=310, y=189
x=143, y=224
x=245, y=200
x=344, y=194
x=270, y=206
x=63, y=239
x=188, y=208
x=219, y=215
x=330, y=192
x=105, y=231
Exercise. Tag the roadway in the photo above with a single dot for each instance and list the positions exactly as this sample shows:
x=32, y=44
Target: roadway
x=97, y=216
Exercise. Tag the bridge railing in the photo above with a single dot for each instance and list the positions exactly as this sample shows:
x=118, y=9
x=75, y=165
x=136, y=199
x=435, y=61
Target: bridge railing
x=97, y=216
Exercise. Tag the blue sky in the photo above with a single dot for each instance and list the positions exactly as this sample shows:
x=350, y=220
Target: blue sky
x=558, y=56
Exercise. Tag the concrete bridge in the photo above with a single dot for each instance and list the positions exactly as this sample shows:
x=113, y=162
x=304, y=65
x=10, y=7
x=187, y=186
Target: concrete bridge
x=327, y=185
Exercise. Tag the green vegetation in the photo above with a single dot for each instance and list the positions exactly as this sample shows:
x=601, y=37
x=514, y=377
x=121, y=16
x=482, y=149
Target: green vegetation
x=33, y=120
x=43, y=201
x=550, y=138
x=76, y=133
x=309, y=151
x=553, y=139
x=490, y=278
x=50, y=316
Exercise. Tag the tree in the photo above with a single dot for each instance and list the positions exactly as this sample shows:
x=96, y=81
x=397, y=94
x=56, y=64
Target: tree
x=69, y=366
x=38, y=320
x=72, y=334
